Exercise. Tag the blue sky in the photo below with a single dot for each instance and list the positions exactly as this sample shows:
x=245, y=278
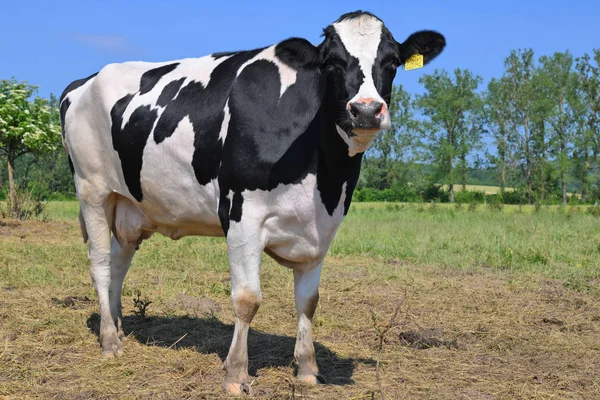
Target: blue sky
x=50, y=44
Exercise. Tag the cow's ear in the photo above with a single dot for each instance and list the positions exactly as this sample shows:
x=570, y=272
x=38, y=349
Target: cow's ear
x=298, y=53
x=427, y=43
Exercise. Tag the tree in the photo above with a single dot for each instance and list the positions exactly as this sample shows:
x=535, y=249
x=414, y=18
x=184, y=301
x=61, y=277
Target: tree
x=560, y=83
x=451, y=105
x=26, y=126
x=587, y=141
x=519, y=68
x=500, y=124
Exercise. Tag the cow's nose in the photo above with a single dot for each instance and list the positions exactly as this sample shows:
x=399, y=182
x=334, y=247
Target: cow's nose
x=366, y=113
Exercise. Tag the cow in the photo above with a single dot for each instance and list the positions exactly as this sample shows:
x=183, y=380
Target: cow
x=263, y=147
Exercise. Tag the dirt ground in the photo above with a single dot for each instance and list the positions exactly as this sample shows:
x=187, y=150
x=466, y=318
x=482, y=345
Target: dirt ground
x=458, y=334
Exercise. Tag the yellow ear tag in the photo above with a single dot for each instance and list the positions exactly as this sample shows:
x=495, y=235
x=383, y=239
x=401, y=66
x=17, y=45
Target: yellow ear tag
x=413, y=62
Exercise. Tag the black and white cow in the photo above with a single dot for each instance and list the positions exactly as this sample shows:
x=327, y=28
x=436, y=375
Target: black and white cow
x=263, y=147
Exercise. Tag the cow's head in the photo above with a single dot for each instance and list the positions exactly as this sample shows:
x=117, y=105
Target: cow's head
x=360, y=58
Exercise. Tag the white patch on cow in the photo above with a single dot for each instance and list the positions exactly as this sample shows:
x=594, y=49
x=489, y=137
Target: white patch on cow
x=291, y=221
x=287, y=75
x=172, y=195
x=225, y=124
x=361, y=37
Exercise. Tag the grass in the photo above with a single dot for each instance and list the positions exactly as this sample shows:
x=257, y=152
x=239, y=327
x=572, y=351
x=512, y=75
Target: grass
x=494, y=305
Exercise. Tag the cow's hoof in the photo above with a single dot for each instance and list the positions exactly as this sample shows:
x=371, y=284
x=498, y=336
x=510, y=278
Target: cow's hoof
x=237, y=388
x=308, y=379
x=111, y=346
x=121, y=334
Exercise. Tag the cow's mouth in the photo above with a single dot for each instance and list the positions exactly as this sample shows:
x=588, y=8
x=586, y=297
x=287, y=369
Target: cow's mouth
x=365, y=131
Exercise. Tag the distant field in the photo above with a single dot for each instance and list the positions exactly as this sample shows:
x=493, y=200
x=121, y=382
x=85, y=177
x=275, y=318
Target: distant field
x=479, y=188
x=495, y=304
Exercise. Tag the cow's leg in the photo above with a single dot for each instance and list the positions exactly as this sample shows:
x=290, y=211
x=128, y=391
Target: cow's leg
x=306, y=293
x=120, y=260
x=244, y=259
x=96, y=217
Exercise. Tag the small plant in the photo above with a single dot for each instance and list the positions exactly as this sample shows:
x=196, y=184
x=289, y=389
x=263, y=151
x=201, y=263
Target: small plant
x=433, y=207
x=140, y=305
x=538, y=206
x=392, y=207
x=495, y=205
x=572, y=211
x=458, y=206
x=23, y=205
x=473, y=206
x=382, y=331
x=594, y=210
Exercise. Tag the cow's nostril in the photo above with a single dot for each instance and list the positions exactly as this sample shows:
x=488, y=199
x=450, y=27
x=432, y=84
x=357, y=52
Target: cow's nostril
x=378, y=107
x=354, y=109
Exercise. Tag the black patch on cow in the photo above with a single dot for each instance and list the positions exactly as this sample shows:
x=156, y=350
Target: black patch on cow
x=71, y=167
x=64, y=106
x=74, y=85
x=150, y=78
x=169, y=92
x=385, y=65
x=236, y=207
x=222, y=54
x=130, y=140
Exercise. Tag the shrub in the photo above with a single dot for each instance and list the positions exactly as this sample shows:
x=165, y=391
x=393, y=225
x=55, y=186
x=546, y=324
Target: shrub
x=27, y=205
x=468, y=196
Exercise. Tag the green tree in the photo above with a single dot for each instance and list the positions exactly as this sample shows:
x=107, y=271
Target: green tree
x=451, y=105
x=587, y=140
x=498, y=118
x=518, y=75
x=27, y=125
x=560, y=82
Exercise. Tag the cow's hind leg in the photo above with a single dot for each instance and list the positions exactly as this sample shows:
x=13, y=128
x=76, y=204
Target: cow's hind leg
x=96, y=217
x=306, y=293
x=120, y=260
x=244, y=259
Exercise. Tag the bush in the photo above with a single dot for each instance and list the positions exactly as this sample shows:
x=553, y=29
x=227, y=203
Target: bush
x=435, y=193
x=27, y=205
x=512, y=197
x=468, y=196
x=394, y=194
x=594, y=210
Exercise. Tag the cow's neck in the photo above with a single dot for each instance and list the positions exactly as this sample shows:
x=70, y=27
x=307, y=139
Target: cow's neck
x=338, y=171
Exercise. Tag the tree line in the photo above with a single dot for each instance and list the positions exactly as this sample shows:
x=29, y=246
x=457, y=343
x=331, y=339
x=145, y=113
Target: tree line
x=534, y=132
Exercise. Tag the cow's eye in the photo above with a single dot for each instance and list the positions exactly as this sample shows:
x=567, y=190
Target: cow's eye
x=335, y=62
x=393, y=63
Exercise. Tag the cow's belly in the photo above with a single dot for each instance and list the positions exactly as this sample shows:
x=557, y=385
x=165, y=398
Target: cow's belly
x=173, y=200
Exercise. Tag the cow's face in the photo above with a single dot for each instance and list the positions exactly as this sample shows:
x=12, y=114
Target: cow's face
x=360, y=58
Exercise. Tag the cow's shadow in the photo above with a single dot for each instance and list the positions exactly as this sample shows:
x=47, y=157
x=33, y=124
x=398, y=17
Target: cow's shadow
x=210, y=336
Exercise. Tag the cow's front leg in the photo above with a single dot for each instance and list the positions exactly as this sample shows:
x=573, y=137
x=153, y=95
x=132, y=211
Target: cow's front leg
x=244, y=259
x=306, y=293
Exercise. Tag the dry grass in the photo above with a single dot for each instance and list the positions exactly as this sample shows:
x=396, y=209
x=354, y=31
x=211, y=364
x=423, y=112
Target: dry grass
x=475, y=333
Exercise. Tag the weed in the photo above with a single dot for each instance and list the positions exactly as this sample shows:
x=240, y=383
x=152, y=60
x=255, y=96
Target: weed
x=473, y=206
x=140, y=306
